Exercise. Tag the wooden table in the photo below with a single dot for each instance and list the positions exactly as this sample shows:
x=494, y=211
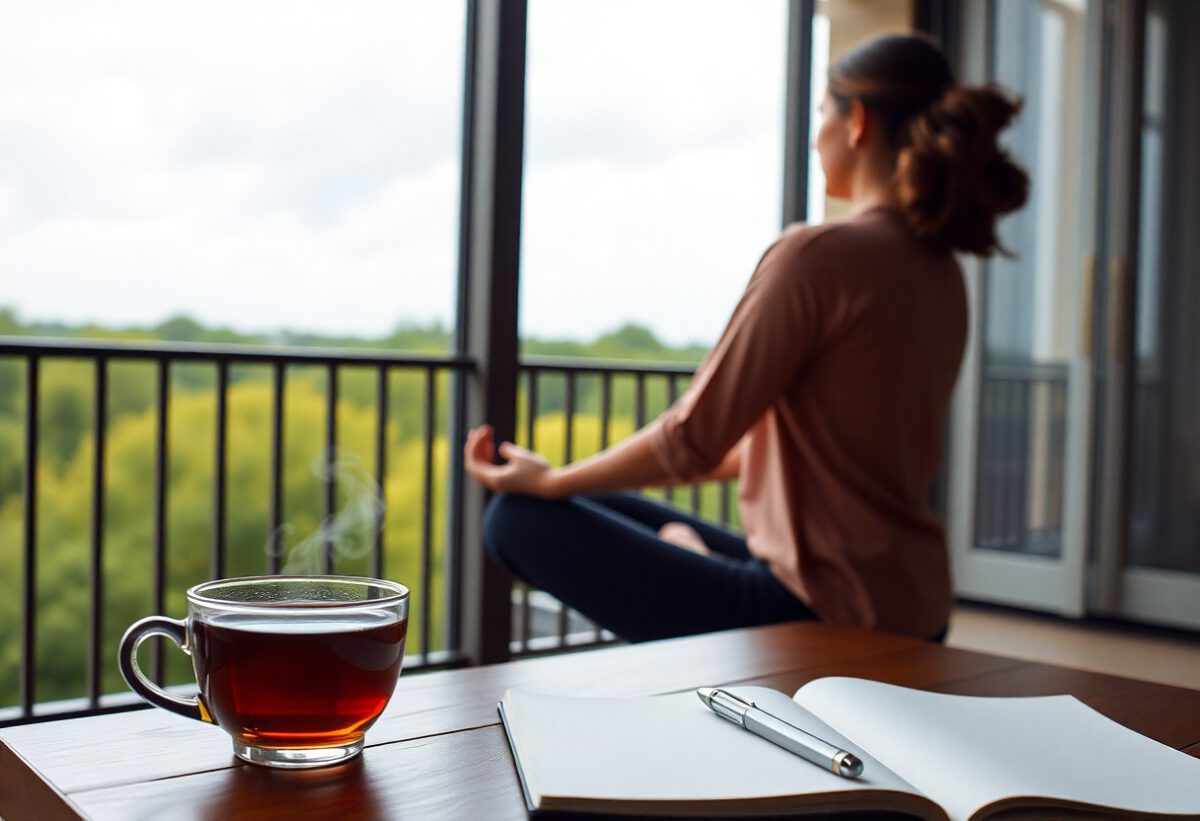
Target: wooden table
x=439, y=751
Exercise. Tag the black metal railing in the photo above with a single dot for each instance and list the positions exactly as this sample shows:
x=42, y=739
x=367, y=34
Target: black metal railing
x=567, y=409
x=165, y=358
x=1021, y=459
x=621, y=397
x=610, y=393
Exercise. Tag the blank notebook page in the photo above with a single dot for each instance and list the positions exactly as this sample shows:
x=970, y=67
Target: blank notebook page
x=668, y=748
x=965, y=752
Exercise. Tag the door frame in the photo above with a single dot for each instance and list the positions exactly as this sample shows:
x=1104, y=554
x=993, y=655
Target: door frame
x=1053, y=584
x=1090, y=576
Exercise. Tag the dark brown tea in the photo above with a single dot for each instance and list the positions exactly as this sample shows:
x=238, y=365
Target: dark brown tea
x=306, y=683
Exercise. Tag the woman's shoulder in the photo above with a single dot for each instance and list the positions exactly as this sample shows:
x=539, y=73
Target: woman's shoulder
x=809, y=249
x=797, y=240
x=864, y=256
x=875, y=223
x=799, y=266
x=800, y=234
x=876, y=238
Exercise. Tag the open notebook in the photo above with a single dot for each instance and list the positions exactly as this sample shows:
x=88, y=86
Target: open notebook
x=928, y=754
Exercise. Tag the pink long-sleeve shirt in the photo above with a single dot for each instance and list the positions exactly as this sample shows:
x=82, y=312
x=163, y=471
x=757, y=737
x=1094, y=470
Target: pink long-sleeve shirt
x=834, y=374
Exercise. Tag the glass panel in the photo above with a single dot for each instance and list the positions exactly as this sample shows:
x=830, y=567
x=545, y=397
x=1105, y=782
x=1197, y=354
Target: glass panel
x=839, y=25
x=1164, y=521
x=1037, y=52
x=653, y=176
x=653, y=184
x=259, y=166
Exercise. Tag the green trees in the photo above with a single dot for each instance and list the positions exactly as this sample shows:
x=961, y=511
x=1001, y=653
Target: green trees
x=65, y=508
x=65, y=496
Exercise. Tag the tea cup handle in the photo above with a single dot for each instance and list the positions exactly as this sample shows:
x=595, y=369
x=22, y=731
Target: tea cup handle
x=139, y=631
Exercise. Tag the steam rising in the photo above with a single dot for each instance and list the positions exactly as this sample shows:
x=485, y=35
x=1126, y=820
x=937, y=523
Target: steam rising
x=350, y=531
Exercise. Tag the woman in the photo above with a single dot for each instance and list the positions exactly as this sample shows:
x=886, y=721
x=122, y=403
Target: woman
x=824, y=396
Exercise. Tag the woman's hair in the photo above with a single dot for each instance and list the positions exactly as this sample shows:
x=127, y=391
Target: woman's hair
x=952, y=178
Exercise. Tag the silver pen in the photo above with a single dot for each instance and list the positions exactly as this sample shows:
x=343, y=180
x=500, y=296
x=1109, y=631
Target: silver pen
x=750, y=717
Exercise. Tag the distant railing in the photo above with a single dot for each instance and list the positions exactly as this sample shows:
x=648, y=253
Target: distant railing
x=1021, y=459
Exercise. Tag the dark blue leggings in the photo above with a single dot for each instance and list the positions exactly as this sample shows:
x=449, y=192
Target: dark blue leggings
x=602, y=556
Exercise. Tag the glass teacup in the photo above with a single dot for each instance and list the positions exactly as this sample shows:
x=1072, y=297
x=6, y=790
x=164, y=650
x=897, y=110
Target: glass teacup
x=294, y=668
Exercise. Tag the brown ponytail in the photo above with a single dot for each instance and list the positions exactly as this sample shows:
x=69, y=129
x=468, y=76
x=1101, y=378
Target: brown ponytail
x=952, y=178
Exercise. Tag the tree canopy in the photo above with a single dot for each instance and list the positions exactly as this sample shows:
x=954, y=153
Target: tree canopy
x=65, y=500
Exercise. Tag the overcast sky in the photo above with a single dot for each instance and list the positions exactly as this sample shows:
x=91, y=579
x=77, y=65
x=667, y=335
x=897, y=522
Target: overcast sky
x=274, y=165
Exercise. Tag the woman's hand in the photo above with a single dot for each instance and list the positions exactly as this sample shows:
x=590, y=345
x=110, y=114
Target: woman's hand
x=629, y=463
x=524, y=471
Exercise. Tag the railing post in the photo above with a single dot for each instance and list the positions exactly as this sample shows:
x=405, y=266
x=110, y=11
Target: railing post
x=29, y=568
x=487, y=312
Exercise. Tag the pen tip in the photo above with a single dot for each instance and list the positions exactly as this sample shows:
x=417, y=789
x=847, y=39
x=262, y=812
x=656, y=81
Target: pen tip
x=705, y=694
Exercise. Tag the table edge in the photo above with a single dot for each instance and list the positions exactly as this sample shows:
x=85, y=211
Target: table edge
x=32, y=794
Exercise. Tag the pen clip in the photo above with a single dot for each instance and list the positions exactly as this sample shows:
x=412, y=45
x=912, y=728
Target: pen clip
x=717, y=691
x=728, y=705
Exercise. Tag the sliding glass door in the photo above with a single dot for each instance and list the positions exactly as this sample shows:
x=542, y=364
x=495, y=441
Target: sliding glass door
x=1022, y=417
x=1148, y=505
x=1075, y=481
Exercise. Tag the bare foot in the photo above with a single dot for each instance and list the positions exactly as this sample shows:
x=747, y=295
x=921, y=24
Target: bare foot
x=682, y=535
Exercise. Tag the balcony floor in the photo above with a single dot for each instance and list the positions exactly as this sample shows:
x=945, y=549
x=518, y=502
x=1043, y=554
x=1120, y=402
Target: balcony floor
x=1163, y=656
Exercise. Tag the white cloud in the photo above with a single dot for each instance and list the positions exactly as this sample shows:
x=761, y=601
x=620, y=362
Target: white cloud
x=635, y=79
x=9, y=203
x=275, y=164
x=654, y=163
x=381, y=261
x=258, y=165
x=670, y=246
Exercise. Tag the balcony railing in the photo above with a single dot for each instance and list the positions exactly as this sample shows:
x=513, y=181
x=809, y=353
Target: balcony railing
x=397, y=409
x=222, y=367
x=564, y=395
x=1021, y=459
x=558, y=396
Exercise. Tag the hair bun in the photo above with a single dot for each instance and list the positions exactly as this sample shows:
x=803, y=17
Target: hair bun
x=952, y=177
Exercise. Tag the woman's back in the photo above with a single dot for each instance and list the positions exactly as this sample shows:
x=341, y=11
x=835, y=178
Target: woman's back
x=893, y=337
x=836, y=475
